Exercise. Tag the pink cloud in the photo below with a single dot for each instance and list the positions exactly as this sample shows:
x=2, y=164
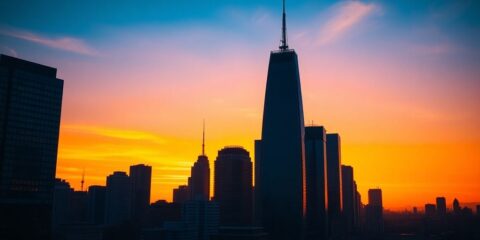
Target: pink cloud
x=346, y=16
x=69, y=44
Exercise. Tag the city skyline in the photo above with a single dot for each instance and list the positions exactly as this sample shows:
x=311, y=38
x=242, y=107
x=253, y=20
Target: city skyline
x=413, y=114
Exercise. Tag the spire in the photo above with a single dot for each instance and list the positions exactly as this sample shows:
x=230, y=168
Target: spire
x=283, y=41
x=203, y=139
x=83, y=179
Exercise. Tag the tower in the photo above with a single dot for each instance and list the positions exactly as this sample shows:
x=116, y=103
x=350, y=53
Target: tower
x=280, y=199
x=199, y=182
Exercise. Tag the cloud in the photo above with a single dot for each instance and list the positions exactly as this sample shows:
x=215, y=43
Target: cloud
x=8, y=51
x=346, y=16
x=65, y=43
x=117, y=133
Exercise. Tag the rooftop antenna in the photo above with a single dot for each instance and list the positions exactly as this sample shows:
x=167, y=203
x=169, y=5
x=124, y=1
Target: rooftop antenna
x=83, y=179
x=203, y=139
x=283, y=41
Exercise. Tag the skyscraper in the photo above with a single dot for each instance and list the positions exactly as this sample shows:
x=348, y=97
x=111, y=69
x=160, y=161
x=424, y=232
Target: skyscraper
x=202, y=217
x=316, y=180
x=233, y=186
x=117, y=199
x=96, y=204
x=334, y=183
x=348, y=197
x=280, y=195
x=30, y=108
x=374, y=214
x=140, y=180
x=441, y=206
x=199, y=181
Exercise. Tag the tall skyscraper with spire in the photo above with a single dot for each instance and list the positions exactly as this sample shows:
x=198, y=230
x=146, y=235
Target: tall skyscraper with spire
x=280, y=199
x=199, y=181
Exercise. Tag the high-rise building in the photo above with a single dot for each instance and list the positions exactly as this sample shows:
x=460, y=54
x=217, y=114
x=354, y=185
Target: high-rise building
x=456, y=206
x=348, y=197
x=141, y=181
x=61, y=203
x=96, y=204
x=199, y=181
x=280, y=196
x=181, y=194
x=316, y=180
x=30, y=108
x=441, y=206
x=334, y=184
x=117, y=199
x=202, y=217
x=233, y=186
x=430, y=210
x=374, y=213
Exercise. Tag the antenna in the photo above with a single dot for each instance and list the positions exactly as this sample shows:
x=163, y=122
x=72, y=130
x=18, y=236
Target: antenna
x=283, y=41
x=203, y=139
x=83, y=179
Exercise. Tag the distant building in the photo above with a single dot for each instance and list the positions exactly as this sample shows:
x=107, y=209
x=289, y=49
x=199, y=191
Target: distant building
x=30, y=109
x=348, y=197
x=374, y=212
x=441, y=206
x=199, y=181
x=430, y=210
x=79, y=207
x=96, y=204
x=117, y=199
x=233, y=186
x=162, y=211
x=334, y=183
x=62, y=194
x=456, y=207
x=316, y=183
x=181, y=194
x=478, y=210
x=201, y=216
x=141, y=181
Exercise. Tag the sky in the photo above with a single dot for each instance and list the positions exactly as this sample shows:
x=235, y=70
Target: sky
x=398, y=80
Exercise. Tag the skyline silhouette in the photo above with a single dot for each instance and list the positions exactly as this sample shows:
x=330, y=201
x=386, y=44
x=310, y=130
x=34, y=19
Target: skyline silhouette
x=386, y=114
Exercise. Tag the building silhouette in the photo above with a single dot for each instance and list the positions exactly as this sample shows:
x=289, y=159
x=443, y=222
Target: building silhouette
x=201, y=217
x=181, y=194
x=141, y=181
x=117, y=199
x=430, y=210
x=441, y=206
x=334, y=183
x=199, y=181
x=30, y=109
x=233, y=186
x=280, y=181
x=316, y=180
x=348, y=197
x=374, y=212
x=96, y=204
x=456, y=206
x=61, y=213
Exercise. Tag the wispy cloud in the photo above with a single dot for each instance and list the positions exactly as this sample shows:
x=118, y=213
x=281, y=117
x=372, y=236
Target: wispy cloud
x=8, y=51
x=116, y=133
x=346, y=16
x=65, y=43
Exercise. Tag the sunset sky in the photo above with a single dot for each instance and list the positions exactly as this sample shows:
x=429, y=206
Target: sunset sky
x=398, y=80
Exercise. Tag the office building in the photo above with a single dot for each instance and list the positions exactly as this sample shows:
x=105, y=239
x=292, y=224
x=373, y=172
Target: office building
x=30, y=109
x=117, y=199
x=202, y=217
x=280, y=195
x=141, y=181
x=96, y=204
x=316, y=180
x=348, y=197
x=199, y=181
x=430, y=210
x=374, y=212
x=181, y=194
x=441, y=206
x=334, y=184
x=233, y=186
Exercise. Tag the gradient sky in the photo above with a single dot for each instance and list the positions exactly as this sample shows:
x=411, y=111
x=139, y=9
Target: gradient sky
x=399, y=80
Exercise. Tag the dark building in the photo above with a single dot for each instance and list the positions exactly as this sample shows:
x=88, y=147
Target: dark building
x=441, y=206
x=334, y=184
x=202, y=217
x=374, y=212
x=61, y=213
x=316, y=180
x=30, y=108
x=162, y=211
x=79, y=207
x=348, y=197
x=199, y=181
x=140, y=180
x=430, y=210
x=240, y=233
x=456, y=206
x=117, y=199
x=280, y=184
x=233, y=186
x=357, y=207
x=96, y=204
x=181, y=194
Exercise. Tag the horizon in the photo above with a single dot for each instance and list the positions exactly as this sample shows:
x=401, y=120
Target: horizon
x=399, y=83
